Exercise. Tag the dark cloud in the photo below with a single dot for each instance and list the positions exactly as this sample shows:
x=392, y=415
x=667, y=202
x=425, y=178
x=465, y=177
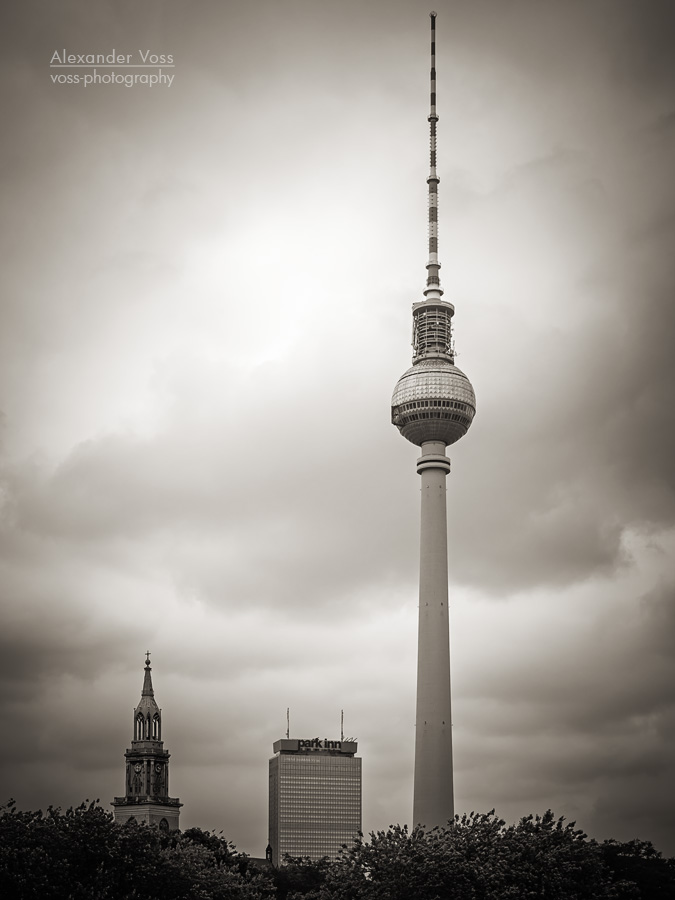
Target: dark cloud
x=582, y=418
x=586, y=727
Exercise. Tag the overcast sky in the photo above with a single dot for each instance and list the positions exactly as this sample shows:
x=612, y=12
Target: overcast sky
x=207, y=294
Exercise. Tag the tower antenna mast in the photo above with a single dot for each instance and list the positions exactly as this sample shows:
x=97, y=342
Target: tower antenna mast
x=433, y=290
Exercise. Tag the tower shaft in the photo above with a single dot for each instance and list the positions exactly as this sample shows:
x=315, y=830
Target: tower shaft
x=433, y=789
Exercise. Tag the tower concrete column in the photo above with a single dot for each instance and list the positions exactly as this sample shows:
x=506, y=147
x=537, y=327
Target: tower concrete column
x=433, y=790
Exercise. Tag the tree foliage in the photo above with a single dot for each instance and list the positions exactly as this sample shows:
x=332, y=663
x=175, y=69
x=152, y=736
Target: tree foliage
x=639, y=871
x=299, y=876
x=82, y=854
x=479, y=857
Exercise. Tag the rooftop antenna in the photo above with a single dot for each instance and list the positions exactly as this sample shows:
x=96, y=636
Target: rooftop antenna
x=288, y=723
x=342, y=725
x=433, y=290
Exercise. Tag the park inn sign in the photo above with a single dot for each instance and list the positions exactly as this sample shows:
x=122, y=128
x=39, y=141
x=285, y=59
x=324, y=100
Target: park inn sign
x=317, y=744
x=313, y=745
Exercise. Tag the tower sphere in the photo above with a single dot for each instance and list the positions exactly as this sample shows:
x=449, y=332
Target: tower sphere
x=433, y=401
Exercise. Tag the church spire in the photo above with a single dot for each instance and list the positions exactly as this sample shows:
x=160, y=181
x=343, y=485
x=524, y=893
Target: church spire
x=147, y=680
x=147, y=715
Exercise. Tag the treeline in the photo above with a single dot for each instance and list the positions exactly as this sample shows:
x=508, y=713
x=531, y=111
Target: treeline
x=81, y=854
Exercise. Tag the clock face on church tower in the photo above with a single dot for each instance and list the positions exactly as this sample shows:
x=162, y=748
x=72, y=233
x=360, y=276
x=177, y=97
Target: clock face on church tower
x=158, y=767
x=138, y=767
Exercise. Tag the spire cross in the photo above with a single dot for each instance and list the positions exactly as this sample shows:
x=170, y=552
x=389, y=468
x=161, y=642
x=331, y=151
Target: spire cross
x=433, y=290
x=147, y=657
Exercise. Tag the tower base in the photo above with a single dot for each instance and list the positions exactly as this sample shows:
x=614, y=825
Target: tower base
x=161, y=812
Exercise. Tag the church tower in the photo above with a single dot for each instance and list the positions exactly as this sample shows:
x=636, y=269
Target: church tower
x=147, y=767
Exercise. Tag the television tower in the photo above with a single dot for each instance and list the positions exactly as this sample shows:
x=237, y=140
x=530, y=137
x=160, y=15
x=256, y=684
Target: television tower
x=433, y=406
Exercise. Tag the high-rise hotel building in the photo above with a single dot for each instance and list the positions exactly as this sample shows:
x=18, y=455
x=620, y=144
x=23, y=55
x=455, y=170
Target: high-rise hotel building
x=315, y=798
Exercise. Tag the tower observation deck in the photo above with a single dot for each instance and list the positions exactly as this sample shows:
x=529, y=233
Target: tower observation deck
x=433, y=405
